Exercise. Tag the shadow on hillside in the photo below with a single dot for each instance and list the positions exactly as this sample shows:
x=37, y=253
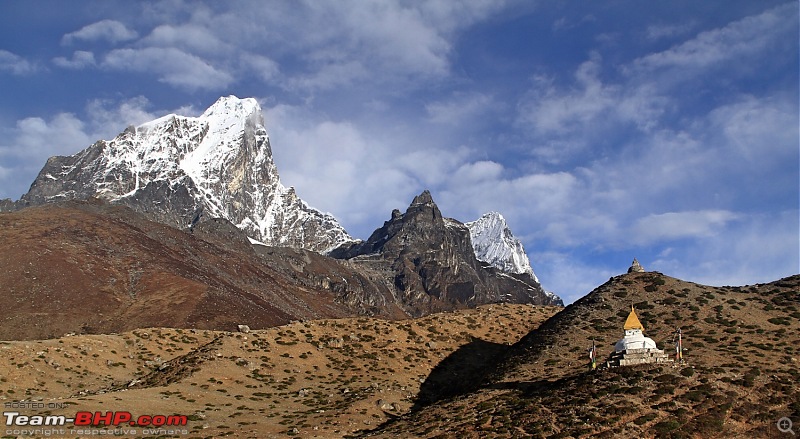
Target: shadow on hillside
x=460, y=372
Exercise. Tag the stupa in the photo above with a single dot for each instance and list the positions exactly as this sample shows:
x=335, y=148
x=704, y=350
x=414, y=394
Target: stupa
x=635, y=348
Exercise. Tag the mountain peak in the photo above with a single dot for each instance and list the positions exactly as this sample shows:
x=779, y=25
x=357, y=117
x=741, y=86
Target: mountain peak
x=494, y=243
x=179, y=169
x=493, y=216
x=232, y=105
x=433, y=266
x=424, y=198
x=423, y=207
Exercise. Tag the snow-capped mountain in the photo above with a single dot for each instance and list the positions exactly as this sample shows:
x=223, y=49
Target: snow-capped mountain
x=494, y=243
x=179, y=169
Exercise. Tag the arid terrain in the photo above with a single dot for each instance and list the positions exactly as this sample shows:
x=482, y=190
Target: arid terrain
x=738, y=379
x=321, y=378
x=503, y=371
x=90, y=267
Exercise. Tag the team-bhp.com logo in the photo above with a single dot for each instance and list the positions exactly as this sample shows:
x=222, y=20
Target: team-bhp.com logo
x=85, y=419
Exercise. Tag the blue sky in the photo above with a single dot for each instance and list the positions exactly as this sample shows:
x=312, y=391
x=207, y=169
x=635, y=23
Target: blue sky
x=603, y=131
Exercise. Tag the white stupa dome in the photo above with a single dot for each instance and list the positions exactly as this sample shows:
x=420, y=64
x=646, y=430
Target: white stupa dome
x=634, y=337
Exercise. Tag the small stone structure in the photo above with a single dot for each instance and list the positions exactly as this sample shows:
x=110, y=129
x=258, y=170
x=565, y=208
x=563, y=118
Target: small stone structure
x=636, y=267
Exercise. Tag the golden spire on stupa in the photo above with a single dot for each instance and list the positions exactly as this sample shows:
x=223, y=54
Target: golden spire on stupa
x=632, y=322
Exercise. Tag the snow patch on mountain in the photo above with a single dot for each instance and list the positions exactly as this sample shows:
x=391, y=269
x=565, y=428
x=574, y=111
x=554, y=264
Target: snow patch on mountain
x=494, y=243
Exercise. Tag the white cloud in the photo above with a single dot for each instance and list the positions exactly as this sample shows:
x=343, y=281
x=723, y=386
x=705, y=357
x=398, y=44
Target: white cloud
x=478, y=172
x=652, y=170
x=191, y=38
x=432, y=167
x=393, y=37
x=657, y=32
x=64, y=133
x=79, y=60
x=587, y=107
x=398, y=35
x=759, y=247
x=535, y=199
x=562, y=121
x=325, y=45
x=108, y=118
x=109, y=30
x=759, y=131
x=331, y=75
x=548, y=110
x=680, y=225
x=565, y=23
x=172, y=66
x=736, y=41
x=568, y=275
x=337, y=168
x=15, y=64
x=264, y=68
x=685, y=167
x=318, y=45
x=460, y=109
x=578, y=228
x=26, y=147
x=360, y=173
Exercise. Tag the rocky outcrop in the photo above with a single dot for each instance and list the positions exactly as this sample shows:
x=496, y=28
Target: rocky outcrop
x=636, y=267
x=356, y=287
x=429, y=262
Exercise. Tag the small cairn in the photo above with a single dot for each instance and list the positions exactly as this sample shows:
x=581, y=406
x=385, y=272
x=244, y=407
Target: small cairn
x=636, y=267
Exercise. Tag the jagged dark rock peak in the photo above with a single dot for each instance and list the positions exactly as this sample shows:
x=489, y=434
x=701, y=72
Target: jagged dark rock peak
x=430, y=263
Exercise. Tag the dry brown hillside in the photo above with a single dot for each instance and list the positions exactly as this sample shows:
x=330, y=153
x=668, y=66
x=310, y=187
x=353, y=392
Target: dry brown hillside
x=322, y=378
x=742, y=346
x=90, y=267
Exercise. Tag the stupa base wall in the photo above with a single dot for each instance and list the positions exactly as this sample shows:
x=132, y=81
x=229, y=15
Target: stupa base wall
x=638, y=356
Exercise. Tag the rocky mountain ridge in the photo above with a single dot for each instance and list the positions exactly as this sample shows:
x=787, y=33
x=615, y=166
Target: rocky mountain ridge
x=430, y=261
x=141, y=273
x=179, y=169
x=214, y=176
